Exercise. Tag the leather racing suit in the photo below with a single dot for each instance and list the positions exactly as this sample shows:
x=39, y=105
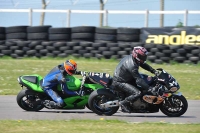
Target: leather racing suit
x=53, y=78
x=126, y=77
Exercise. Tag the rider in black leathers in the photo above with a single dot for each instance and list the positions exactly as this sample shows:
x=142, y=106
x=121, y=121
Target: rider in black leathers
x=126, y=76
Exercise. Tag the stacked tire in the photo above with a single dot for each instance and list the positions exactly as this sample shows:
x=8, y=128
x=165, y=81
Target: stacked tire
x=16, y=33
x=82, y=34
x=86, y=49
x=13, y=35
x=187, y=54
x=41, y=49
x=38, y=33
x=152, y=49
x=128, y=35
x=111, y=51
x=73, y=49
x=5, y=48
x=59, y=49
x=89, y=41
x=2, y=33
x=163, y=54
x=60, y=34
x=2, y=40
x=19, y=48
x=101, y=50
x=105, y=35
x=127, y=38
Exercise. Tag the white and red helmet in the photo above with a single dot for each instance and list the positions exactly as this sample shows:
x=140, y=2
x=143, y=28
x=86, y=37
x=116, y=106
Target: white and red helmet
x=140, y=54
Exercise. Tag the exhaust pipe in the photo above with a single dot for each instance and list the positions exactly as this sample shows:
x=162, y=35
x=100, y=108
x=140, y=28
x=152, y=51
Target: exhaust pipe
x=110, y=104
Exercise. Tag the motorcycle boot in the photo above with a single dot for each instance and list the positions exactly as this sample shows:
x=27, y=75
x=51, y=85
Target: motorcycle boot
x=46, y=103
x=125, y=103
x=52, y=105
x=125, y=106
x=56, y=105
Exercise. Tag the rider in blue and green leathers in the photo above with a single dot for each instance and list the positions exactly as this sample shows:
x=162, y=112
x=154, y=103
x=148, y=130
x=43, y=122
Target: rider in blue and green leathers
x=57, y=76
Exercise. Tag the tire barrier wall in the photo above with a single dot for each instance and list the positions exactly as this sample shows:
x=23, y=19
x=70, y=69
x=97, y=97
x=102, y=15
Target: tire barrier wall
x=89, y=41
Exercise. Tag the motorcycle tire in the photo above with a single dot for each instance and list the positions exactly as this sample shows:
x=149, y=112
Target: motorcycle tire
x=87, y=105
x=26, y=99
x=98, y=97
x=179, y=102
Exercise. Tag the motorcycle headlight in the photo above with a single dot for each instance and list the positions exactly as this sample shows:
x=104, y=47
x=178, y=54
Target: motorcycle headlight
x=173, y=89
x=18, y=80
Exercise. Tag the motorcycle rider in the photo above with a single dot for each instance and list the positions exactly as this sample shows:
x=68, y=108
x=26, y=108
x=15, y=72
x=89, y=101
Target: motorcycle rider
x=126, y=76
x=57, y=76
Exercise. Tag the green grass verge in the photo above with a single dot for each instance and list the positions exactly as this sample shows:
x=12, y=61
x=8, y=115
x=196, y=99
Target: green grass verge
x=93, y=126
x=188, y=75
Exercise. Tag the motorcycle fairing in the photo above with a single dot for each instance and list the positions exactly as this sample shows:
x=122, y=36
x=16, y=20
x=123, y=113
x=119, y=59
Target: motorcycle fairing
x=158, y=99
x=76, y=102
x=72, y=83
x=168, y=80
x=175, y=93
x=153, y=99
x=148, y=79
x=31, y=81
x=93, y=86
x=101, y=78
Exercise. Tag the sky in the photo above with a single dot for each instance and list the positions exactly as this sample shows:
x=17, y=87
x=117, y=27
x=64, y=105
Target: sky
x=114, y=20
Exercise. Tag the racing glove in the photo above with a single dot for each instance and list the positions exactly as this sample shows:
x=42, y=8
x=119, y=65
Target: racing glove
x=82, y=73
x=155, y=72
x=153, y=90
x=77, y=73
x=150, y=89
x=63, y=80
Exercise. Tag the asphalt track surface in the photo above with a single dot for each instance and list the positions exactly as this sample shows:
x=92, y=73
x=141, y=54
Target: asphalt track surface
x=9, y=110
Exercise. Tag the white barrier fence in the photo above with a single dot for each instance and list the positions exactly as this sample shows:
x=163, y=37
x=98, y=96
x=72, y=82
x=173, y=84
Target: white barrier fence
x=105, y=12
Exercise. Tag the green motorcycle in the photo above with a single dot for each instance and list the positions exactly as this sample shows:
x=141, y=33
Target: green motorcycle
x=31, y=97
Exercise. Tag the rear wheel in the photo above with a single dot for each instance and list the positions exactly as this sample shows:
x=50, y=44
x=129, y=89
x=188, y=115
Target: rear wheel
x=101, y=96
x=174, y=106
x=29, y=101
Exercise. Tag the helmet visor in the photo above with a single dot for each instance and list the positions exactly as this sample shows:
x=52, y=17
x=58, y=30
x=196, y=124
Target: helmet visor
x=142, y=58
x=72, y=71
x=70, y=68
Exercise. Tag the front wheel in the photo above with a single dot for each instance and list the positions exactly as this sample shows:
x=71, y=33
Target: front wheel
x=29, y=101
x=101, y=96
x=87, y=105
x=174, y=106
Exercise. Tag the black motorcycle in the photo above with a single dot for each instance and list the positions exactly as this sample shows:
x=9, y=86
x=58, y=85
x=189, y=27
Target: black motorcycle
x=166, y=97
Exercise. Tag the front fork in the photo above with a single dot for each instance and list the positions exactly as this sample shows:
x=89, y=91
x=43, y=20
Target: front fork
x=171, y=100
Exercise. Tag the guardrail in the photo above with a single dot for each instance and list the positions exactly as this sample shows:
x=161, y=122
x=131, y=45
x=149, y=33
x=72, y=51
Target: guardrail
x=105, y=12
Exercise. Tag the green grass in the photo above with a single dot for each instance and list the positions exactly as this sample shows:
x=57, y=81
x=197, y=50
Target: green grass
x=188, y=75
x=93, y=126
